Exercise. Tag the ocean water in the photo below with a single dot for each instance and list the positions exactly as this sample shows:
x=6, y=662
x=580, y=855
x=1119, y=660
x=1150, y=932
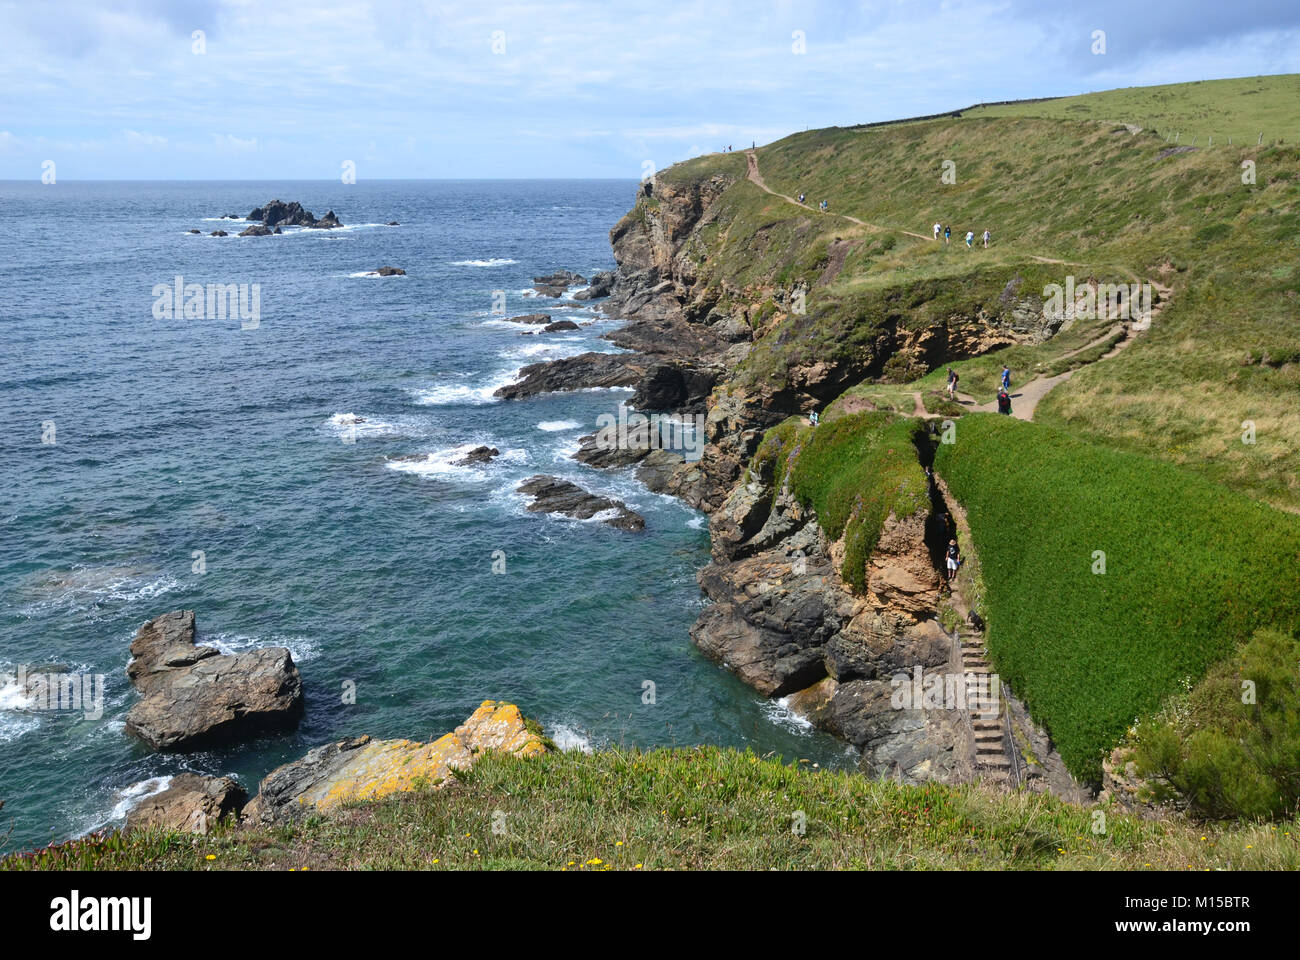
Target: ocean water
x=177, y=436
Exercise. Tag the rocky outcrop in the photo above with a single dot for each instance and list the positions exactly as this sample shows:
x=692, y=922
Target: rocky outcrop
x=677, y=385
x=364, y=769
x=190, y=804
x=391, y=272
x=279, y=213
x=582, y=372
x=256, y=230
x=553, y=495
x=557, y=325
x=554, y=284
x=787, y=624
x=194, y=697
x=219, y=233
x=532, y=318
x=483, y=454
x=598, y=286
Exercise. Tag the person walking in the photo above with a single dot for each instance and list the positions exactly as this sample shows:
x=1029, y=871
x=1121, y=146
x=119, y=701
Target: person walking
x=1006, y=377
x=947, y=233
x=952, y=383
x=937, y=228
x=970, y=238
x=987, y=237
x=1004, y=402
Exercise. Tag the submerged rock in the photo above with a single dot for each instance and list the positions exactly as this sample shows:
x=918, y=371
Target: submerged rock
x=190, y=804
x=365, y=769
x=195, y=231
x=553, y=495
x=554, y=284
x=195, y=697
x=219, y=233
x=391, y=272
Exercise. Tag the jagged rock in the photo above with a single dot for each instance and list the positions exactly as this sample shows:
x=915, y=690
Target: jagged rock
x=554, y=284
x=675, y=385
x=277, y=212
x=532, y=318
x=575, y=373
x=360, y=768
x=195, y=697
x=600, y=285
x=256, y=230
x=553, y=495
x=658, y=469
x=557, y=325
x=482, y=454
x=190, y=804
x=391, y=272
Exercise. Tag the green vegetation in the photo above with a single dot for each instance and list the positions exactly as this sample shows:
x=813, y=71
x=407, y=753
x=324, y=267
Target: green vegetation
x=1191, y=569
x=1231, y=747
x=691, y=809
x=1241, y=108
x=854, y=471
x=1061, y=180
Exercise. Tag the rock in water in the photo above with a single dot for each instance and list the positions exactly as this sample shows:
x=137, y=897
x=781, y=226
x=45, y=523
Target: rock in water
x=477, y=455
x=256, y=230
x=327, y=222
x=391, y=272
x=195, y=697
x=365, y=769
x=599, y=286
x=531, y=318
x=292, y=215
x=191, y=804
x=552, y=495
x=219, y=233
x=554, y=284
x=560, y=325
x=196, y=231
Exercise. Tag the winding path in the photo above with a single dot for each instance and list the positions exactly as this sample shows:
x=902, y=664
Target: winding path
x=1026, y=401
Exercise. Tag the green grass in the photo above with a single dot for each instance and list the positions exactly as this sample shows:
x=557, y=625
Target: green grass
x=854, y=471
x=1191, y=570
x=692, y=809
x=1241, y=108
x=1050, y=181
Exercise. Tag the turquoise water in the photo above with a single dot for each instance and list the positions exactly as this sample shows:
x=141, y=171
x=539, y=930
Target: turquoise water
x=173, y=436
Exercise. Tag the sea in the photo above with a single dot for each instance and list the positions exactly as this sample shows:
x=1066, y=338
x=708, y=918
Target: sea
x=289, y=474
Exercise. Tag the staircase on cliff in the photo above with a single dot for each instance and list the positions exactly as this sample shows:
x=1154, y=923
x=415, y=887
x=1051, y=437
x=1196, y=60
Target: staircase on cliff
x=985, y=708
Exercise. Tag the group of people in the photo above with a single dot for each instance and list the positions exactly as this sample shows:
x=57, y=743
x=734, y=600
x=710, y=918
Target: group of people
x=1004, y=388
x=970, y=235
x=823, y=206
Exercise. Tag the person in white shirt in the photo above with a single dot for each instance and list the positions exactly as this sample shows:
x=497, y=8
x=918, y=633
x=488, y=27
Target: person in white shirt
x=970, y=237
x=937, y=228
x=986, y=238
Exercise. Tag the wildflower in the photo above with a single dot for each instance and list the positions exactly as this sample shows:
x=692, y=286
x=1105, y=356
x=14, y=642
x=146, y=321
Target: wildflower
x=211, y=856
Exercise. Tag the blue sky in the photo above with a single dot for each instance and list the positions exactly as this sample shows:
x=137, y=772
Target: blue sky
x=406, y=88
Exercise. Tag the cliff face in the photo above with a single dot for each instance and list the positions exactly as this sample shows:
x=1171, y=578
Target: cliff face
x=773, y=340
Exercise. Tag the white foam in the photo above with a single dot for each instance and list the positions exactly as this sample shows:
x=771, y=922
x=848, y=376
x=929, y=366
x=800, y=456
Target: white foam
x=779, y=713
x=567, y=738
x=375, y=274
x=490, y=262
x=696, y=523
x=136, y=794
x=462, y=393
x=300, y=648
x=350, y=425
x=443, y=463
x=554, y=426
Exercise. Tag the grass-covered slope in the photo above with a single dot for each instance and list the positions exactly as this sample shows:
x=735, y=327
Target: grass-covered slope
x=701, y=809
x=1241, y=108
x=1191, y=569
x=854, y=471
x=1060, y=180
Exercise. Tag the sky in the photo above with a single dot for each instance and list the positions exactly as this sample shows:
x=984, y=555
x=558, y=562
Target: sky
x=297, y=89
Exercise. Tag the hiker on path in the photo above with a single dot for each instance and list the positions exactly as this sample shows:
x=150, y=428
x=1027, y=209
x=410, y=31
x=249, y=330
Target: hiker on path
x=953, y=559
x=970, y=236
x=1006, y=377
x=813, y=418
x=947, y=232
x=987, y=237
x=801, y=198
x=952, y=383
x=937, y=228
x=1004, y=402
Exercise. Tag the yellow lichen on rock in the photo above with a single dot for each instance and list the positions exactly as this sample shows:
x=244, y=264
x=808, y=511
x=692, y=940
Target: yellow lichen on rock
x=500, y=726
